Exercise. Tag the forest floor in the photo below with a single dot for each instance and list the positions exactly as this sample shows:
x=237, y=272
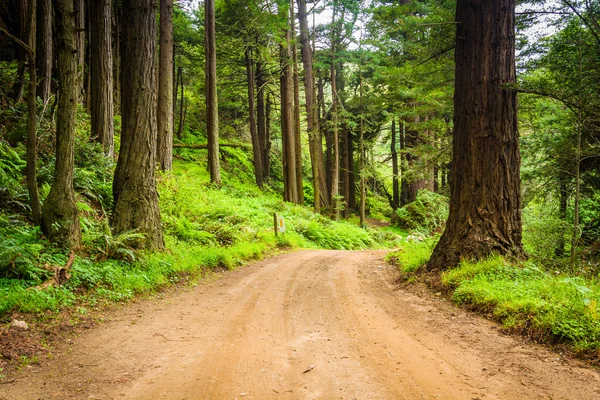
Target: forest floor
x=302, y=325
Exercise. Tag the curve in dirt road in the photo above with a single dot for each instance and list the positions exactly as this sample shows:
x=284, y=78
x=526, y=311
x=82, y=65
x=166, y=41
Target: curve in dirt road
x=303, y=325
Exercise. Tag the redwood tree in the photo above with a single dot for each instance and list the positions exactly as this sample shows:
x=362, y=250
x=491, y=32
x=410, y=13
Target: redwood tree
x=212, y=110
x=60, y=221
x=165, y=87
x=102, y=74
x=485, y=203
x=134, y=186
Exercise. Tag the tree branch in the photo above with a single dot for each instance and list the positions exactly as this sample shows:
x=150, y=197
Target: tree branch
x=18, y=41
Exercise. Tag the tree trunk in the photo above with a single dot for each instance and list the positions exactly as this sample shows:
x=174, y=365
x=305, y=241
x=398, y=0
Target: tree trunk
x=261, y=121
x=60, y=222
x=102, y=107
x=345, y=170
x=44, y=56
x=116, y=57
x=296, y=83
x=395, y=172
x=335, y=167
x=32, y=187
x=256, y=148
x=182, y=107
x=80, y=50
x=134, y=186
x=212, y=105
x=363, y=184
x=267, y=153
x=314, y=134
x=485, y=203
x=165, y=88
x=562, y=215
x=21, y=31
x=324, y=131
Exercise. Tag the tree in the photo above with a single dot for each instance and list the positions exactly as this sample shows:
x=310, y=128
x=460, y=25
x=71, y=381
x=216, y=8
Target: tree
x=102, y=107
x=212, y=108
x=256, y=148
x=315, y=140
x=485, y=203
x=80, y=32
x=134, y=186
x=335, y=171
x=60, y=221
x=165, y=87
x=44, y=57
x=395, y=170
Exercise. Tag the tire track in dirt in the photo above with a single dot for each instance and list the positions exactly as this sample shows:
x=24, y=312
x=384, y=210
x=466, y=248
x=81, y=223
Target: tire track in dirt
x=305, y=325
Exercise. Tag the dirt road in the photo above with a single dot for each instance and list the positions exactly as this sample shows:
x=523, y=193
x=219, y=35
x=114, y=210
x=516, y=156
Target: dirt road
x=304, y=325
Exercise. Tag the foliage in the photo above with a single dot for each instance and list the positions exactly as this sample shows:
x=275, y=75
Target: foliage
x=427, y=214
x=412, y=254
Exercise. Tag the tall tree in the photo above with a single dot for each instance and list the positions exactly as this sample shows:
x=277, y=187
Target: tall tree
x=60, y=221
x=261, y=117
x=296, y=82
x=165, y=87
x=134, y=186
x=485, y=202
x=256, y=148
x=81, y=32
x=312, y=118
x=44, y=57
x=102, y=107
x=395, y=171
x=335, y=167
x=18, y=25
x=212, y=107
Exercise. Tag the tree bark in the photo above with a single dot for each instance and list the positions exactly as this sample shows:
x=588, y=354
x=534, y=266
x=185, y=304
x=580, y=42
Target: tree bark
x=296, y=83
x=256, y=148
x=44, y=57
x=116, y=57
x=335, y=167
x=32, y=187
x=562, y=215
x=134, y=186
x=314, y=134
x=395, y=172
x=60, y=222
x=287, y=121
x=80, y=50
x=485, y=202
x=181, y=104
x=261, y=118
x=102, y=107
x=165, y=88
x=267, y=153
x=20, y=31
x=212, y=105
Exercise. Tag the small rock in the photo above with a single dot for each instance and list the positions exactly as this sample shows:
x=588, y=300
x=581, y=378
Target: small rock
x=484, y=368
x=15, y=323
x=438, y=294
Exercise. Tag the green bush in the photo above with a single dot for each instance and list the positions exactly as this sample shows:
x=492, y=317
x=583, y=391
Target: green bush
x=426, y=215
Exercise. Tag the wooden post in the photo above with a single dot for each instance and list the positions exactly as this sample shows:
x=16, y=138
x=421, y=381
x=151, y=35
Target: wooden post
x=275, y=223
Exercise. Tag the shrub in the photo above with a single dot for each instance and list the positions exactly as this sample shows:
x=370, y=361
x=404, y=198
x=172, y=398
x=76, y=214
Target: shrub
x=426, y=215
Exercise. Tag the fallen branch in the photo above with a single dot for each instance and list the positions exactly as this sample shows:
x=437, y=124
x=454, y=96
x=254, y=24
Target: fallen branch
x=61, y=274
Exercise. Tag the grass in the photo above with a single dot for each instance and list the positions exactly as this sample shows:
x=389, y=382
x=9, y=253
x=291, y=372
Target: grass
x=548, y=305
x=205, y=228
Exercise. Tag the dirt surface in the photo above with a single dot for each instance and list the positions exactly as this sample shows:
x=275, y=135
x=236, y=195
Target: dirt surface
x=304, y=325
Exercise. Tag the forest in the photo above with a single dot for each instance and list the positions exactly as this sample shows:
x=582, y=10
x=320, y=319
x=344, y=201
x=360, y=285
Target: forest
x=148, y=143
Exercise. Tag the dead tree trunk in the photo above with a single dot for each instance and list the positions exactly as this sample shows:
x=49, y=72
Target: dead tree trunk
x=134, y=186
x=102, y=74
x=60, y=222
x=485, y=202
x=165, y=88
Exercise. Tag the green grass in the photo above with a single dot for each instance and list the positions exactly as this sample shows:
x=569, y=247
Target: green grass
x=412, y=254
x=205, y=228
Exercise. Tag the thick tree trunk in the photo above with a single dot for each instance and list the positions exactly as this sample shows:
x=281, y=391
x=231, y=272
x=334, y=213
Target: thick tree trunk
x=296, y=83
x=81, y=32
x=256, y=148
x=485, y=202
x=32, y=187
x=134, y=186
x=261, y=118
x=287, y=123
x=116, y=56
x=324, y=131
x=395, y=172
x=102, y=107
x=212, y=105
x=44, y=56
x=335, y=167
x=60, y=222
x=165, y=88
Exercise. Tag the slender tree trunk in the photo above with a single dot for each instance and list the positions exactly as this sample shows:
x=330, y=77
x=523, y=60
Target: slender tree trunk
x=485, y=203
x=165, y=88
x=325, y=131
x=44, y=56
x=102, y=74
x=260, y=111
x=562, y=215
x=352, y=205
x=181, y=105
x=60, y=222
x=32, y=187
x=314, y=134
x=21, y=33
x=345, y=170
x=335, y=172
x=395, y=172
x=363, y=185
x=134, y=186
x=80, y=50
x=296, y=83
x=267, y=153
x=116, y=57
x=256, y=149
x=212, y=105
